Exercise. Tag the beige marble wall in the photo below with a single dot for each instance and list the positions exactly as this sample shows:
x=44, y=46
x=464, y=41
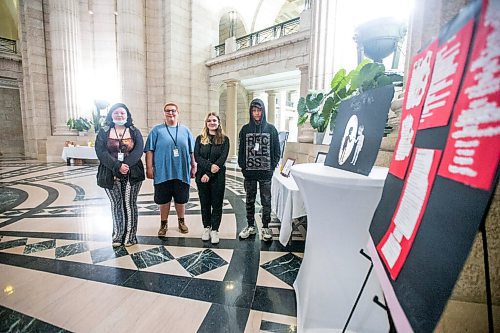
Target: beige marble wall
x=155, y=62
x=281, y=55
x=34, y=88
x=11, y=127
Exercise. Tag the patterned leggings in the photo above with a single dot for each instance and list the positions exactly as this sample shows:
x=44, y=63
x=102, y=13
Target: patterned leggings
x=123, y=198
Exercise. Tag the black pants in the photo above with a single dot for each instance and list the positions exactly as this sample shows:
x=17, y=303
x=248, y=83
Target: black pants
x=265, y=200
x=211, y=196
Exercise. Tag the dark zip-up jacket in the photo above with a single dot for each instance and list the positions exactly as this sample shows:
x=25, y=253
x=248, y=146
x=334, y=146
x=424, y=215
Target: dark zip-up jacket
x=109, y=165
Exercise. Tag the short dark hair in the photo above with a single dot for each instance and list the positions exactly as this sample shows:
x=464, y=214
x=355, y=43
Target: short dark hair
x=109, y=119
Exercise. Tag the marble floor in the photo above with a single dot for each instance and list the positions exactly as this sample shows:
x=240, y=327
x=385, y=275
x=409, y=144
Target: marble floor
x=59, y=272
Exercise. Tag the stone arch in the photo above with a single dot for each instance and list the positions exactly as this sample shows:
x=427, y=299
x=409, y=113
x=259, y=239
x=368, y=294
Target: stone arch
x=289, y=10
x=240, y=28
x=242, y=105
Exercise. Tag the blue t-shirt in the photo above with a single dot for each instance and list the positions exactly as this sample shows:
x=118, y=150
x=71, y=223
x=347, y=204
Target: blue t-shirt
x=166, y=166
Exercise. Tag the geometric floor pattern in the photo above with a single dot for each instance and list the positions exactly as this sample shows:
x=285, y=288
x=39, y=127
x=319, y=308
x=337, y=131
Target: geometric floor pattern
x=59, y=272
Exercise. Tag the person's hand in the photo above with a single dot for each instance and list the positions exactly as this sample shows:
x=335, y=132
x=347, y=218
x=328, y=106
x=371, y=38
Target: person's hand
x=214, y=168
x=150, y=173
x=205, y=179
x=193, y=170
x=124, y=169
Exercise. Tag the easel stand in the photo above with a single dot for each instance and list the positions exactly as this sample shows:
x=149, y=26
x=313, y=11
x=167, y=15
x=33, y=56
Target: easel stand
x=375, y=298
x=489, y=305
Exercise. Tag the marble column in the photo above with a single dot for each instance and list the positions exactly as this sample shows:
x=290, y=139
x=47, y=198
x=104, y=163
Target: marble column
x=105, y=78
x=231, y=116
x=131, y=46
x=271, y=107
x=322, y=44
x=306, y=132
x=66, y=62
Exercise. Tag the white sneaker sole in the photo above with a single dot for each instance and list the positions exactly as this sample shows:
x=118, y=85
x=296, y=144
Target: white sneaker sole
x=250, y=234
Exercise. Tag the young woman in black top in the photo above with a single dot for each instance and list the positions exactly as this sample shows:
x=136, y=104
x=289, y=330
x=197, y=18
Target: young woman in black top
x=210, y=152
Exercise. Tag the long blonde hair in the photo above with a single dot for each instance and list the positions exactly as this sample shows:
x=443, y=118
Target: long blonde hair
x=219, y=133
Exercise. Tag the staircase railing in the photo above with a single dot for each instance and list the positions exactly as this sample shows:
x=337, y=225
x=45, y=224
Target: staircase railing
x=8, y=45
x=276, y=31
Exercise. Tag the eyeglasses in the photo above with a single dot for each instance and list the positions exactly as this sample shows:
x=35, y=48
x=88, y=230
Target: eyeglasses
x=170, y=111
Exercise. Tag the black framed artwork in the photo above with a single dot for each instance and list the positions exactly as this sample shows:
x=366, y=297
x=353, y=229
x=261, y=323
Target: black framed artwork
x=320, y=157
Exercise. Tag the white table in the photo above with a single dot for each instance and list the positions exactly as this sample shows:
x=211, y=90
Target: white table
x=80, y=152
x=339, y=205
x=286, y=203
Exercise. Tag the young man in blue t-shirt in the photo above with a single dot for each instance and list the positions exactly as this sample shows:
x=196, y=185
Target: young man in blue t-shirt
x=170, y=162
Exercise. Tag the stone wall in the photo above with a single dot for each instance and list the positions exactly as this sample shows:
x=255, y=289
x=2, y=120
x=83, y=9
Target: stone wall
x=35, y=103
x=11, y=127
x=281, y=55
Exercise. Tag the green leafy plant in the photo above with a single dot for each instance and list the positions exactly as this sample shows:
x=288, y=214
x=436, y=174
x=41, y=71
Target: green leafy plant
x=321, y=108
x=80, y=124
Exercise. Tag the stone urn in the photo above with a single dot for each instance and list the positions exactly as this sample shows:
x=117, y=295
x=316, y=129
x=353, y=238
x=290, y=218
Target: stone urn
x=378, y=38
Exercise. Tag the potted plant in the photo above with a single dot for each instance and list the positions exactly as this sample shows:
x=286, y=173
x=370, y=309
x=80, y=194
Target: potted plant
x=79, y=124
x=321, y=108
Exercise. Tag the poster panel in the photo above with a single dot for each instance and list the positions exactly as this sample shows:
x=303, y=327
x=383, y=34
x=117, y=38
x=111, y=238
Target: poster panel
x=397, y=242
x=446, y=78
x=417, y=86
x=472, y=150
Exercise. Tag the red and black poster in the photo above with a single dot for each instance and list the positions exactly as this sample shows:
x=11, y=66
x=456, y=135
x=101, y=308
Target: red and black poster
x=473, y=149
x=418, y=83
x=396, y=244
x=446, y=77
x=425, y=224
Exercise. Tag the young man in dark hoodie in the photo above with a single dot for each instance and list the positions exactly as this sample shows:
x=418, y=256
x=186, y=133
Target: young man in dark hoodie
x=258, y=156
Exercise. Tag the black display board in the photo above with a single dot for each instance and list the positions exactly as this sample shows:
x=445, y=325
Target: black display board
x=359, y=128
x=454, y=206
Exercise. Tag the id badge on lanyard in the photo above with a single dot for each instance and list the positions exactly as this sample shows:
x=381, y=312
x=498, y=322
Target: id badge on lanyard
x=121, y=157
x=175, y=151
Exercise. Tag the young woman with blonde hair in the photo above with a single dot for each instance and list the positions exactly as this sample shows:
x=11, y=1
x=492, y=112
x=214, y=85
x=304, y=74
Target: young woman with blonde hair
x=210, y=151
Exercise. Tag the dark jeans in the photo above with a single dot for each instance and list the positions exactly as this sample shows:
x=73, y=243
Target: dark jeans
x=265, y=200
x=211, y=196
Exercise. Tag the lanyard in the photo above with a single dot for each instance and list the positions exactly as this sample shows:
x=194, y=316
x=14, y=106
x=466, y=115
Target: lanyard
x=176, y=131
x=120, y=137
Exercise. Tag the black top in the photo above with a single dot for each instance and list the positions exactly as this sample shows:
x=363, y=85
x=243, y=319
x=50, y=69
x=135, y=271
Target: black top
x=109, y=165
x=206, y=155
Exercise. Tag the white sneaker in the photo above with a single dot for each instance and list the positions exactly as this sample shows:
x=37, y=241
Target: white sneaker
x=206, y=234
x=267, y=235
x=247, y=232
x=214, y=235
